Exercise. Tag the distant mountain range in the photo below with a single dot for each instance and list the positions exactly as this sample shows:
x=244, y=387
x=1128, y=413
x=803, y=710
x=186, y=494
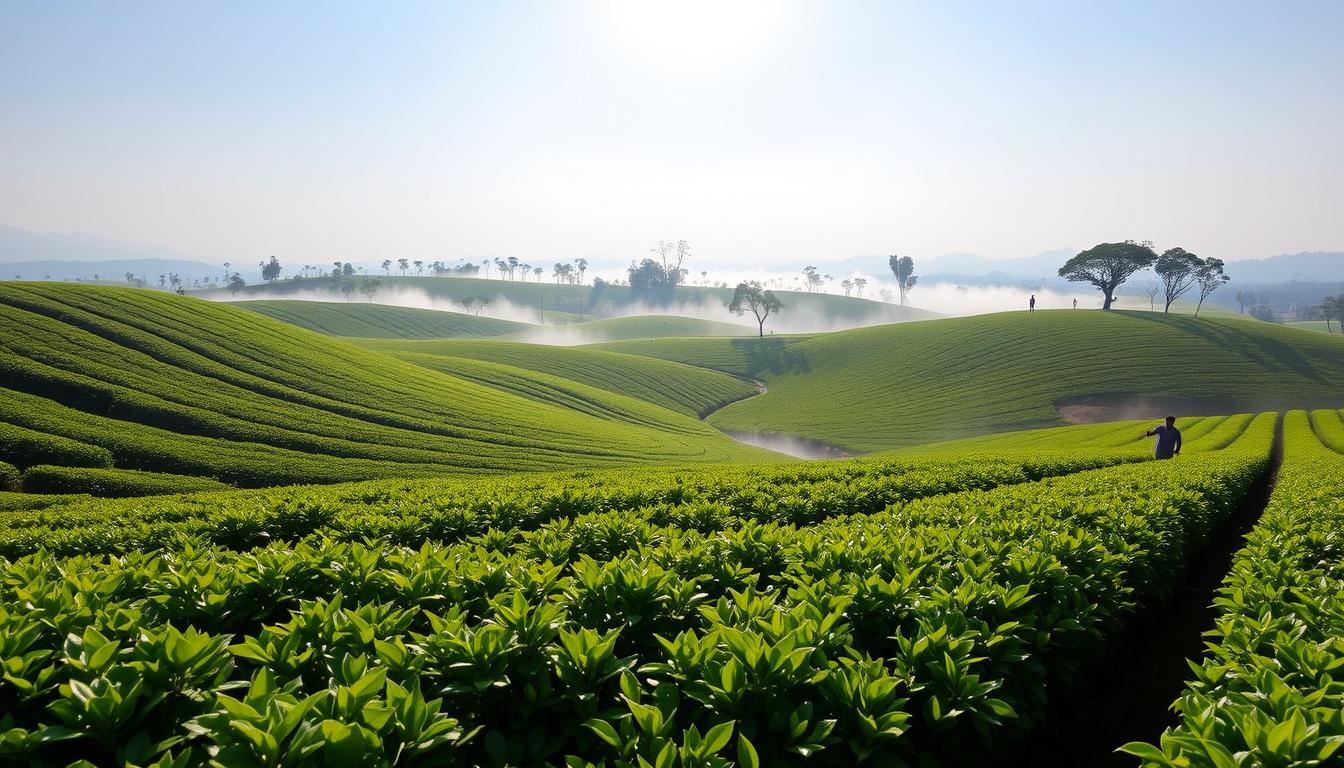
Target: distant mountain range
x=35, y=255
x=38, y=256
x=970, y=268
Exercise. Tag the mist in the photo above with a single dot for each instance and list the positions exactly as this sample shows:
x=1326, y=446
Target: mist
x=942, y=298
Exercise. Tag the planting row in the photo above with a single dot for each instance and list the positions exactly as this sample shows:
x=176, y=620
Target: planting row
x=411, y=512
x=1270, y=692
x=674, y=633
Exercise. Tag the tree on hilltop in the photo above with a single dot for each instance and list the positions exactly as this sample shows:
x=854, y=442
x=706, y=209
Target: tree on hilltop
x=1179, y=270
x=1108, y=265
x=270, y=271
x=762, y=303
x=1209, y=277
x=903, y=267
x=581, y=264
x=236, y=283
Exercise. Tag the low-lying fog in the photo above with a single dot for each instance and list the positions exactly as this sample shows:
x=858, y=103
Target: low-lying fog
x=942, y=298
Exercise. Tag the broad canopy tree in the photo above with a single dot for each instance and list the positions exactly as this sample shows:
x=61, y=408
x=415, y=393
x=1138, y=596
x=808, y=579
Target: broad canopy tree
x=762, y=303
x=1108, y=265
x=1179, y=270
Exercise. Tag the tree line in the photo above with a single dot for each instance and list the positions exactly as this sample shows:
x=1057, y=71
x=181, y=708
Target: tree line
x=1108, y=265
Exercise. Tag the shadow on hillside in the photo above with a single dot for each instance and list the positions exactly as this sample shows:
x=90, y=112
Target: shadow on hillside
x=771, y=355
x=1272, y=354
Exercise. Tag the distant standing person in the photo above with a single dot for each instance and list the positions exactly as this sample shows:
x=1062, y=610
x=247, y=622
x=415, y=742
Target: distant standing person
x=1031, y=305
x=1075, y=303
x=1168, y=439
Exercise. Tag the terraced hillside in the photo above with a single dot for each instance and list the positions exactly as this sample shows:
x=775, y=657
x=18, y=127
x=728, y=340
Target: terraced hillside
x=683, y=388
x=379, y=321
x=801, y=310
x=656, y=327
x=149, y=381
x=884, y=387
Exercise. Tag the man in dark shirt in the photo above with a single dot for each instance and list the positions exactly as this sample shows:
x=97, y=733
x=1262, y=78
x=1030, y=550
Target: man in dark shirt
x=1168, y=439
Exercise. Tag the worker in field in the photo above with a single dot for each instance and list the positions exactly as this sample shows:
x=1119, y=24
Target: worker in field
x=1031, y=305
x=1168, y=439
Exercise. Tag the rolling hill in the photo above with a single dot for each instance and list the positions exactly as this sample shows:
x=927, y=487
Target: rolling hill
x=686, y=389
x=876, y=388
x=634, y=327
x=379, y=321
x=524, y=300
x=148, y=381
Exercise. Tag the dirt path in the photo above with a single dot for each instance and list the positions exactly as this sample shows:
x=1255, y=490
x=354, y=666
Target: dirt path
x=1130, y=698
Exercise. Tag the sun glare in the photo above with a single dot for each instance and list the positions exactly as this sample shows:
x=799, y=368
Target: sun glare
x=695, y=36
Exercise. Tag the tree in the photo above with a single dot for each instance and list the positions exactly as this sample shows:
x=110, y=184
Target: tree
x=369, y=287
x=859, y=284
x=403, y=264
x=163, y=279
x=762, y=303
x=347, y=288
x=513, y=265
x=1108, y=265
x=474, y=304
x=1209, y=278
x=387, y=267
x=226, y=271
x=486, y=263
x=581, y=264
x=419, y=266
x=1152, y=288
x=1179, y=270
x=1241, y=302
x=236, y=283
x=810, y=278
x=270, y=271
x=903, y=267
x=671, y=256
x=348, y=269
x=848, y=285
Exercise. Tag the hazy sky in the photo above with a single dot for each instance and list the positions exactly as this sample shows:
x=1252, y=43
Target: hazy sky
x=764, y=133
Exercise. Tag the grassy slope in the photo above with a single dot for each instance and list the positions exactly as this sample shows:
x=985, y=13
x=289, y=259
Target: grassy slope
x=1199, y=433
x=889, y=386
x=634, y=327
x=180, y=385
x=379, y=321
x=1314, y=325
x=841, y=310
x=683, y=388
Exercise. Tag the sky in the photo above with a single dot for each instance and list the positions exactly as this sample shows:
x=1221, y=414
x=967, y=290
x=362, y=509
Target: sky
x=767, y=134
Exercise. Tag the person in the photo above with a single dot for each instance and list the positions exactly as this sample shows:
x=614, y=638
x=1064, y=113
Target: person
x=1168, y=439
x=1031, y=305
x=1075, y=303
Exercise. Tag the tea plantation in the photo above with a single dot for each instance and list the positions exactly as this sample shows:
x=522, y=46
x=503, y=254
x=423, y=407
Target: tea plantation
x=900, y=610
x=890, y=386
x=378, y=321
x=151, y=382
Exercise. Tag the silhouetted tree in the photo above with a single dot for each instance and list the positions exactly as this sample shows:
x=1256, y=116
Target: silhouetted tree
x=1178, y=269
x=859, y=284
x=348, y=269
x=270, y=271
x=236, y=283
x=369, y=287
x=347, y=288
x=1210, y=277
x=848, y=285
x=581, y=266
x=762, y=303
x=903, y=267
x=1108, y=265
x=538, y=271
x=1241, y=302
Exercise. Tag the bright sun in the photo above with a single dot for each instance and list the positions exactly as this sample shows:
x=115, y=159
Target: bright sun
x=695, y=36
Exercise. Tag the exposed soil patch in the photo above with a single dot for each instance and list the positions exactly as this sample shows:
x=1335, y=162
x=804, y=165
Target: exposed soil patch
x=1130, y=696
